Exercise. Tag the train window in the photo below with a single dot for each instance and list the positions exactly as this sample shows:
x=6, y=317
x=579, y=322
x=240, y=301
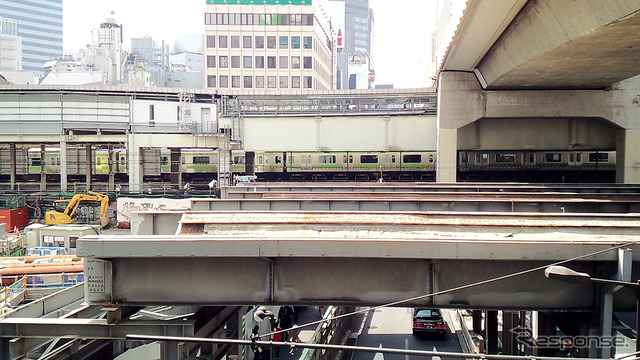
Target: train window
x=278, y=159
x=572, y=157
x=464, y=157
x=72, y=241
x=201, y=160
x=327, y=159
x=531, y=157
x=164, y=160
x=393, y=159
x=183, y=160
x=431, y=159
x=553, y=157
x=411, y=159
x=260, y=160
x=598, y=157
x=98, y=161
x=368, y=159
x=238, y=159
x=53, y=161
x=35, y=162
x=506, y=158
x=578, y=157
x=308, y=159
x=350, y=159
x=58, y=161
x=344, y=159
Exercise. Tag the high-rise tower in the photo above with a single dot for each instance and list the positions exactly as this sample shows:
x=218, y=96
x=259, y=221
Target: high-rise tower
x=39, y=26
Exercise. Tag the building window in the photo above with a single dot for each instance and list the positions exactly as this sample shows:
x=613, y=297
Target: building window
x=209, y=19
x=235, y=62
x=295, y=42
x=361, y=20
x=260, y=82
x=211, y=41
x=296, y=19
x=284, y=42
x=211, y=81
x=307, y=19
x=295, y=62
x=211, y=61
x=246, y=42
x=224, y=81
x=308, y=62
x=361, y=42
x=295, y=82
x=235, y=42
x=222, y=41
x=223, y=61
x=246, y=62
x=271, y=81
x=259, y=62
x=307, y=42
x=235, y=81
x=361, y=35
x=259, y=42
x=308, y=82
x=271, y=62
x=362, y=27
x=271, y=42
x=284, y=82
x=152, y=112
x=284, y=62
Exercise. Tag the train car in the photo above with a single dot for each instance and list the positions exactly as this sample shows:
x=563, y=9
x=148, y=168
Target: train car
x=50, y=161
x=102, y=165
x=342, y=166
x=552, y=166
x=238, y=162
x=20, y=161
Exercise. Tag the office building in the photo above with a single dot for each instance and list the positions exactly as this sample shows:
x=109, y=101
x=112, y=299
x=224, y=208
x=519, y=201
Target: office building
x=39, y=26
x=268, y=47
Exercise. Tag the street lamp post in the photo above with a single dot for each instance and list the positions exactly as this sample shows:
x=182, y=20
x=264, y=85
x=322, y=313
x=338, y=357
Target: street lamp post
x=565, y=274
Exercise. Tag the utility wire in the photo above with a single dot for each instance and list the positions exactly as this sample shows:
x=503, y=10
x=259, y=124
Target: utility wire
x=388, y=350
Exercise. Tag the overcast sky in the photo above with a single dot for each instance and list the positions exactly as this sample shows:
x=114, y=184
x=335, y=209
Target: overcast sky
x=402, y=30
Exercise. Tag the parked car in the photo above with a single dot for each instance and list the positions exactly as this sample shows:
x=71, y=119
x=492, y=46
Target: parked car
x=428, y=321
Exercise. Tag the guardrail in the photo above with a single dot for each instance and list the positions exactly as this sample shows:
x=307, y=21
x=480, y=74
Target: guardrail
x=329, y=332
x=466, y=334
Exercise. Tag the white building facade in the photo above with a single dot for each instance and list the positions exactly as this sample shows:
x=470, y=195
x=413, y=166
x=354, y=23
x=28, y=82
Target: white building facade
x=267, y=48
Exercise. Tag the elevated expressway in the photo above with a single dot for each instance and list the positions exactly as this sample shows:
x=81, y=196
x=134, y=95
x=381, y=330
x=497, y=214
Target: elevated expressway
x=540, y=75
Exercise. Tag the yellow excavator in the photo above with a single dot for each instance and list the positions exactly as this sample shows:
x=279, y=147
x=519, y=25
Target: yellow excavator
x=65, y=210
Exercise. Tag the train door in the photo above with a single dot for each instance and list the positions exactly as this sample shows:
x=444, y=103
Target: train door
x=482, y=159
x=529, y=159
x=575, y=159
x=306, y=162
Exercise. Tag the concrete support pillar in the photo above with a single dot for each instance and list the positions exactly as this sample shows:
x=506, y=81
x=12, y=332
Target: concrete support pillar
x=491, y=333
x=12, y=166
x=135, y=165
x=113, y=167
x=461, y=101
x=447, y=149
x=175, y=176
x=43, y=165
x=89, y=169
x=63, y=165
x=628, y=157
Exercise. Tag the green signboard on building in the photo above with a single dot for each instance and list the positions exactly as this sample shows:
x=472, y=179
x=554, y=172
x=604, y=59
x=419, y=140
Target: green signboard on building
x=258, y=2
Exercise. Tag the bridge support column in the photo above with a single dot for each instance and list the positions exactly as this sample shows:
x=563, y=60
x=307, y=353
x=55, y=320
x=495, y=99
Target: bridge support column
x=89, y=162
x=12, y=165
x=43, y=165
x=63, y=165
x=628, y=157
x=491, y=333
x=135, y=165
x=460, y=102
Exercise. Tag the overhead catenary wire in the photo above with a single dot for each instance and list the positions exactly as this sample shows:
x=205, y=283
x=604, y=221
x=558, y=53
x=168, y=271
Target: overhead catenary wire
x=391, y=350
